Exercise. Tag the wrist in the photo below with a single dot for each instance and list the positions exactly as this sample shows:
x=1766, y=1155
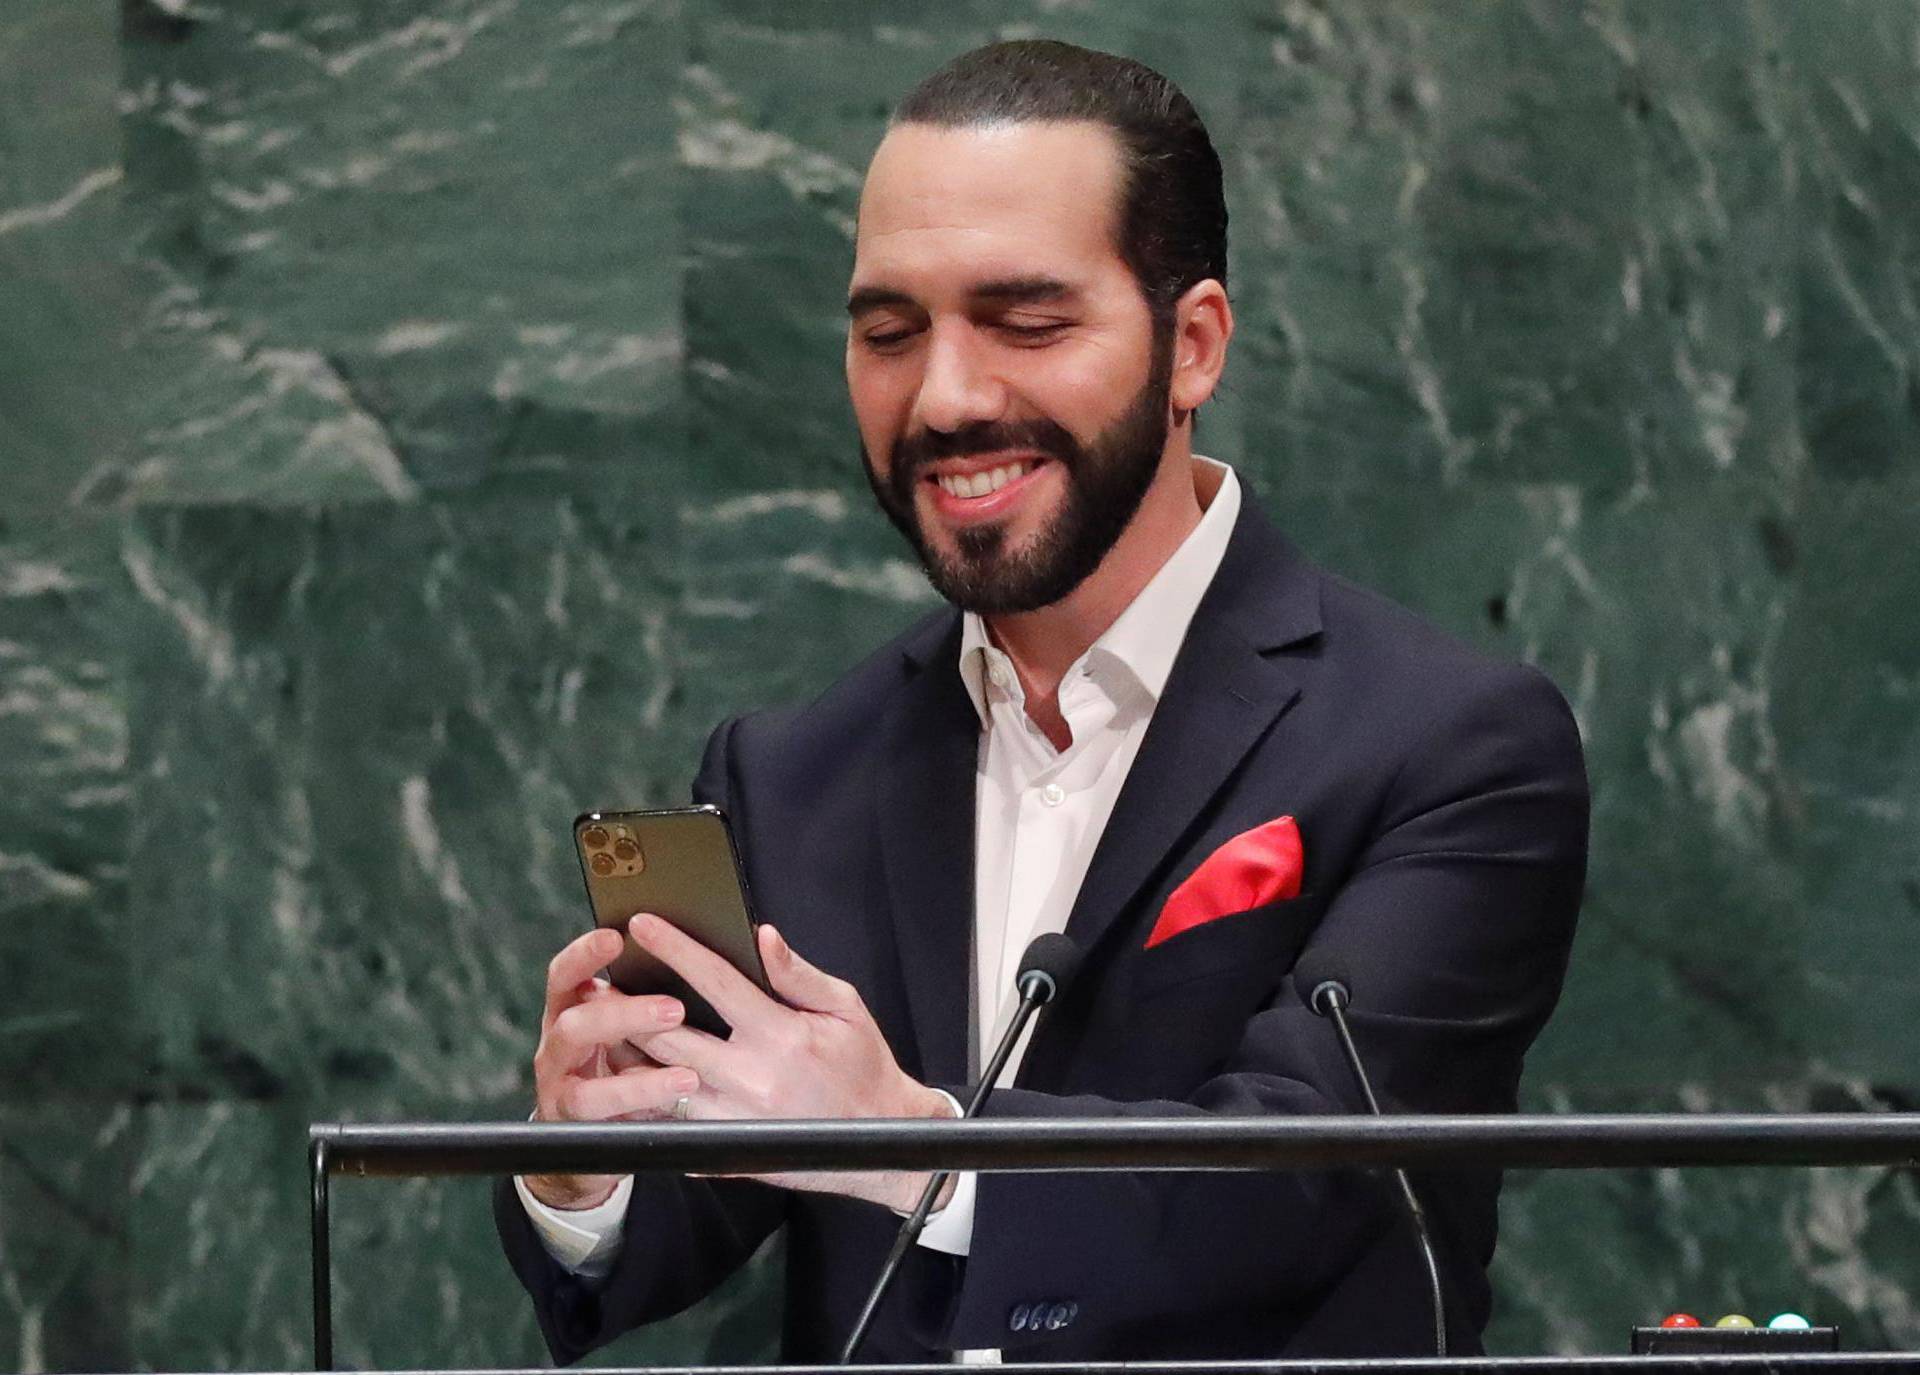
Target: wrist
x=931, y=1102
x=565, y=1195
x=901, y=1192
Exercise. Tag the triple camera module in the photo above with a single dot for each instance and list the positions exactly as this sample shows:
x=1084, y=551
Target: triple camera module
x=611, y=850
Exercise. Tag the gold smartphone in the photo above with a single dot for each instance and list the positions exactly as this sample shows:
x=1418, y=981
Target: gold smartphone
x=680, y=865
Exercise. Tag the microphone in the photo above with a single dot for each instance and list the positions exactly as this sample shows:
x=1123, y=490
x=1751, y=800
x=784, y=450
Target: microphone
x=1329, y=996
x=1047, y=967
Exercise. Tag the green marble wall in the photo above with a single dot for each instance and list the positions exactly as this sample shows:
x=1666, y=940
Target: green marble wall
x=421, y=418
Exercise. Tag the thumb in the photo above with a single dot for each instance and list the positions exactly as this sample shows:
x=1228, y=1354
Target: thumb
x=798, y=983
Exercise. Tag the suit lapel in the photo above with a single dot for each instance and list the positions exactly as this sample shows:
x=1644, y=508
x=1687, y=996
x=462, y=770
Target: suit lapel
x=1229, y=685
x=1227, y=688
x=926, y=801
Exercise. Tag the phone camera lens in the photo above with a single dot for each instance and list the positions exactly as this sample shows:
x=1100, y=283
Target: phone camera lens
x=626, y=850
x=595, y=838
x=602, y=864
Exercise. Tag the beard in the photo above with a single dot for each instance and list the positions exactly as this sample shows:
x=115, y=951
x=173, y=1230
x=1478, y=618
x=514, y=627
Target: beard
x=1106, y=480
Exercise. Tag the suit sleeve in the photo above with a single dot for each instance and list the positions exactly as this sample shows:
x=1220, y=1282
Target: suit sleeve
x=682, y=1237
x=1453, y=928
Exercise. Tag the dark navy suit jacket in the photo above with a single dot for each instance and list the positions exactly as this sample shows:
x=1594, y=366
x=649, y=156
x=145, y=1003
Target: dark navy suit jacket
x=1442, y=805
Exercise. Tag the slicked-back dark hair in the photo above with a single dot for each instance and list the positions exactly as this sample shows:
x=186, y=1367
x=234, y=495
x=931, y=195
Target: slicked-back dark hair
x=1173, y=210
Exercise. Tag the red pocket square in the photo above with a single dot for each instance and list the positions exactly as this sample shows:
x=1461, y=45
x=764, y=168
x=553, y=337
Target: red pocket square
x=1254, y=868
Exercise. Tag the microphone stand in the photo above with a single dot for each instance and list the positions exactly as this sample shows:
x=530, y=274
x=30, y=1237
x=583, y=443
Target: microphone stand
x=1329, y=998
x=1037, y=988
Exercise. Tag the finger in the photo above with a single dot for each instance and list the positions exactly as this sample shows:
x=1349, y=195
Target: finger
x=800, y=984
x=647, y=1093
x=707, y=1056
x=584, y=1028
x=574, y=967
x=626, y=1055
x=732, y=993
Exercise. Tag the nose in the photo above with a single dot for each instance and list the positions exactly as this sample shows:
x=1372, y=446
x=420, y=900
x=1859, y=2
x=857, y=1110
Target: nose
x=959, y=386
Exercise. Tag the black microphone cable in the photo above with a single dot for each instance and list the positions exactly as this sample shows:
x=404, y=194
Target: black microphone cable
x=1330, y=998
x=1046, y=968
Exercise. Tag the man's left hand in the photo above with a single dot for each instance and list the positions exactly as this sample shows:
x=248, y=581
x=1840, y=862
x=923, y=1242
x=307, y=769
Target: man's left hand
x=818, y=1053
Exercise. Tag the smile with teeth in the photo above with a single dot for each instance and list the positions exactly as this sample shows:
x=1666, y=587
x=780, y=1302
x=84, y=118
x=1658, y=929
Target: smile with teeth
x=981, y=484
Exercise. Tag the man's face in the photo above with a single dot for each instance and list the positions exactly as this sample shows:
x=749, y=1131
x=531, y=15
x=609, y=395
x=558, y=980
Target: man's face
x=1011, y=400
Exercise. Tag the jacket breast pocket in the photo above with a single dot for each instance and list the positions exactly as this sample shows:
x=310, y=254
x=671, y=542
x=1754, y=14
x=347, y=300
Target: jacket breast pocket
x=1260, y=943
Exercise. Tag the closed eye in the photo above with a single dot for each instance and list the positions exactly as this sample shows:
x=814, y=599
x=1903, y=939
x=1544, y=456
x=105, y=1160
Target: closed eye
x=1032, y=333
x=888, y=338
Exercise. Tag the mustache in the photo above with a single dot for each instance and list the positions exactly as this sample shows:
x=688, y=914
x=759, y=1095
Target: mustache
x=914, y=453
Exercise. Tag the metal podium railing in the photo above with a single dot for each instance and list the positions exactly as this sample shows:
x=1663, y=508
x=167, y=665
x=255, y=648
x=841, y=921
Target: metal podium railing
x=1158, y=1144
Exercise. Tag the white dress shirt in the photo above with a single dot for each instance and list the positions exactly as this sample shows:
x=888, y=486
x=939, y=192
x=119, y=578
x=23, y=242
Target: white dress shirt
x=1038, y=814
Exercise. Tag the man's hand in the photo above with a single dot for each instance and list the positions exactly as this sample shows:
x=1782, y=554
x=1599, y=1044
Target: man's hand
x=819, y=1055
x=591, y=1065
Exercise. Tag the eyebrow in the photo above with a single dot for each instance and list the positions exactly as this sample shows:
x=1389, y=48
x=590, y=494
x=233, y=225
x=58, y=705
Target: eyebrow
x=1000, y=290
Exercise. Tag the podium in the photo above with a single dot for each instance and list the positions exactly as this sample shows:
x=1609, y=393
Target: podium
x=1612, y=1141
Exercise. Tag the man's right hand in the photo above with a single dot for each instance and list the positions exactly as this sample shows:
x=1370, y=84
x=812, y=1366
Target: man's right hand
x=592, y=1066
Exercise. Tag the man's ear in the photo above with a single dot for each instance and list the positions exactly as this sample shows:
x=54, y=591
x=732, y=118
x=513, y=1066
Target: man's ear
x=1203, y=323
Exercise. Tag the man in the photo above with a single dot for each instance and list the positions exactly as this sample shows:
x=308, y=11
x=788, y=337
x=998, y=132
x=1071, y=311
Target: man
x=1140, y=677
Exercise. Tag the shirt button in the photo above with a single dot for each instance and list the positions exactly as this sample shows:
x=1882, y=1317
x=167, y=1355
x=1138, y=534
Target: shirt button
x=1053, y=794
x=999, y=675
